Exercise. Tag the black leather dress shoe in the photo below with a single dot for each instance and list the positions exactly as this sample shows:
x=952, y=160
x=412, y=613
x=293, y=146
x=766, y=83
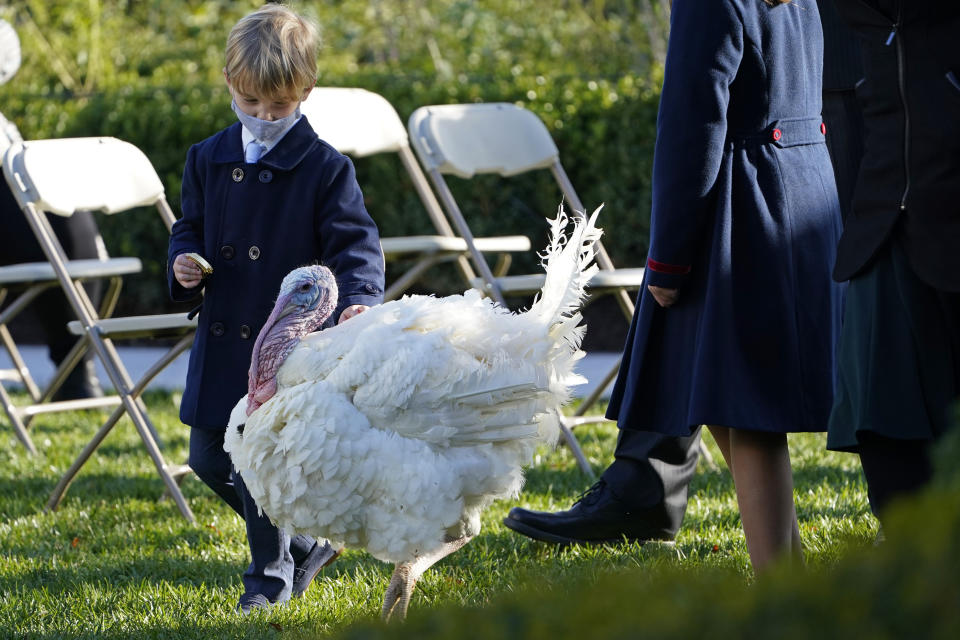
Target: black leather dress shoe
x=597, y=517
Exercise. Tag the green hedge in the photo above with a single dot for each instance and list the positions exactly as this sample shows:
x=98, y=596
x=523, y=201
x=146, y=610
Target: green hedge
x=149, y=73
x=604, y=129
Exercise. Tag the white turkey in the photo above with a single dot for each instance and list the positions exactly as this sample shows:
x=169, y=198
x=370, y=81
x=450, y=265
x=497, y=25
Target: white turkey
x=394, y=430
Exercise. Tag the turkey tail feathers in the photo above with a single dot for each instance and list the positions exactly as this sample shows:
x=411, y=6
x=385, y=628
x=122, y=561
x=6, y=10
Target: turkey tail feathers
x=568, y=263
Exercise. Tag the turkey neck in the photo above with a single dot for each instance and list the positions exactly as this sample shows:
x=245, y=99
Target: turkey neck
x=273, y=346
x=280, y=334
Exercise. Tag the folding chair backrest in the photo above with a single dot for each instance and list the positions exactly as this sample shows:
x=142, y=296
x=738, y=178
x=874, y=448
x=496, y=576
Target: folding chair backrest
x=8, y=134
x=500, y=138
x=466, y=139
x=362, y=123
x=62, y=176
x=356, y=122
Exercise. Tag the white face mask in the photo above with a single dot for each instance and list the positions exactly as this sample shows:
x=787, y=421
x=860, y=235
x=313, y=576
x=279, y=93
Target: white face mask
x=265, y=131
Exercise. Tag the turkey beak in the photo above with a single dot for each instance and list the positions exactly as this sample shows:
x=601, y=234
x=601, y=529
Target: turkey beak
x=287, y=309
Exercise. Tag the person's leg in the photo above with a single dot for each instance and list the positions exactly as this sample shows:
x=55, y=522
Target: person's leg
x=654, y=471
x=212, y=465
x=641, y=496
x=721, y=435
x=270, y=573
x=763, y=480
x=893, y=468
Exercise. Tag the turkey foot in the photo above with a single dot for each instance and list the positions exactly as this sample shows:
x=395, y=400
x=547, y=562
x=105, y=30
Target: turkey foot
x=405, y=576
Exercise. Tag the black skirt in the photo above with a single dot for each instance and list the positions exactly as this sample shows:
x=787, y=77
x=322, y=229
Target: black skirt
x=899, y=360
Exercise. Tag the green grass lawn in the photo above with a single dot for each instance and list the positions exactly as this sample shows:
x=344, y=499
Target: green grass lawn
x=113, y=562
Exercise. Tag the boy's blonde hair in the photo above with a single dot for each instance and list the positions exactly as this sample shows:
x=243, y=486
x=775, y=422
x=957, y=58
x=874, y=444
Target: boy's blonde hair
x=273, y=52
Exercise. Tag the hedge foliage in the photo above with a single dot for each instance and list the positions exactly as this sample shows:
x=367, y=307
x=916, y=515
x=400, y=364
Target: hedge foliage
x=148, y=71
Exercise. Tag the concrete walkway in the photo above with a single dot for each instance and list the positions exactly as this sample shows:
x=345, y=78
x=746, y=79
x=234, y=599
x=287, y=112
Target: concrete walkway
x=137, y=359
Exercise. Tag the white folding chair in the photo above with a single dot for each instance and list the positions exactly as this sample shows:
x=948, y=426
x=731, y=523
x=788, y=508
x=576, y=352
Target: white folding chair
x=28, y=280
x=500, y=138
x=361, y=123
x=110, y=176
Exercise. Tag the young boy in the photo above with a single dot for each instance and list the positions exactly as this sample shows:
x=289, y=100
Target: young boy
x=260, y=198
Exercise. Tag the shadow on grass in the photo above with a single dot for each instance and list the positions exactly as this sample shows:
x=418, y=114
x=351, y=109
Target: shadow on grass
x=154, y=569
x=29, y=495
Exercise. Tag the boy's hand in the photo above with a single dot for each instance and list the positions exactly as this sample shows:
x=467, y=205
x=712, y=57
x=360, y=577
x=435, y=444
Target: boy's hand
x=352, y=310
x=186, y=272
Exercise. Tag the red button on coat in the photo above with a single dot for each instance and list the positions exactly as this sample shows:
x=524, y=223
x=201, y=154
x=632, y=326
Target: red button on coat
x=777, y=134
x=823, y=128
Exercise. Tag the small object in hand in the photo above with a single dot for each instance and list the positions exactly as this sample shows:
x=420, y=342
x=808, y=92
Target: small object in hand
x=198, y=260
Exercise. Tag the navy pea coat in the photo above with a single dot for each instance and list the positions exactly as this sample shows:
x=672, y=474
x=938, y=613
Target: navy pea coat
x=299, y=204
x=745, y=221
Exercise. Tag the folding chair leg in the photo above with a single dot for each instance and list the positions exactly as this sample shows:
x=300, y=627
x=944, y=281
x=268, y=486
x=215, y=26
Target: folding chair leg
x=18, y=427
x=575, y=449
x=179, y=472
x=707, y=456
x=144, y=427
x=66, y=367
x=407, y=279
x=172, y=485
x=19, y=364
x=171, y=475
x=591, y=400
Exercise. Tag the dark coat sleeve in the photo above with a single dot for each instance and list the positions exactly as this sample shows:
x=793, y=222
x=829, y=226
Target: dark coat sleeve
x=187, y=233
x=704, y=53
x=349, y=241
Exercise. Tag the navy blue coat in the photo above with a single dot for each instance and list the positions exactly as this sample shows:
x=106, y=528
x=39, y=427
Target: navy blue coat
x=300, y=204
x=745, y=222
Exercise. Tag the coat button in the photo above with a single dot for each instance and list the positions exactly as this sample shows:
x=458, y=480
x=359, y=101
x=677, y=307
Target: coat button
x=372, y=288
x=266, y=176
x=777, y=134
x=254, y=252
x=244, y=331
x=237, y=175
x=227, y=252
x=217, y=329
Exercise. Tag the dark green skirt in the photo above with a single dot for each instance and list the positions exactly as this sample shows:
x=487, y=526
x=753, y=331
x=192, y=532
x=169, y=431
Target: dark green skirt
x=898, y=361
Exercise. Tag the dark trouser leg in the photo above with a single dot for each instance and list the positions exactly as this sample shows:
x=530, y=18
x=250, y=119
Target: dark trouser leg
x=212, y=465
x=893, y=468
x=642, y=496
x=653, y=470
x=271, y=565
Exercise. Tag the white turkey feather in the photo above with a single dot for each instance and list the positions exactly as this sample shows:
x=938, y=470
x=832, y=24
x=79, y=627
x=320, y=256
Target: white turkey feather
x=394, y=430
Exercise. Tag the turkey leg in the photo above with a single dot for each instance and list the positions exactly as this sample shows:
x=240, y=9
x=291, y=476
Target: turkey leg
x=405, y=576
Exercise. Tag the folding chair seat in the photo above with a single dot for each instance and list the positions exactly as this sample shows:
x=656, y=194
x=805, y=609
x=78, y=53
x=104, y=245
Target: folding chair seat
x=361, y=123
x=499, y=138
x=109, y=176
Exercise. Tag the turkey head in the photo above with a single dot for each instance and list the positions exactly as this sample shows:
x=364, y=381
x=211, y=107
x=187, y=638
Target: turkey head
x=308, y=295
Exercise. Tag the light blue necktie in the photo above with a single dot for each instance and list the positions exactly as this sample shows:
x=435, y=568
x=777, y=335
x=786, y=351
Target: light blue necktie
x=253, y=152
